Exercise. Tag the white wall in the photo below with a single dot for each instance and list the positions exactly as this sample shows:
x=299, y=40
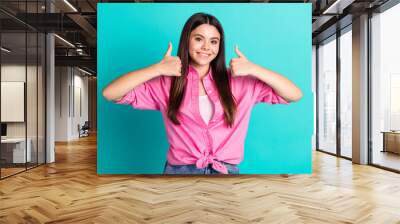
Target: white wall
x=12, y=73
x=61, y=103
x=70, y=83
x=80, y=83
x=33, y=127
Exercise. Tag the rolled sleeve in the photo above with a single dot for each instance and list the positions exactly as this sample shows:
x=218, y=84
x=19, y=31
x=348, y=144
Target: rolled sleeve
x=145, y=96
x=265, y=93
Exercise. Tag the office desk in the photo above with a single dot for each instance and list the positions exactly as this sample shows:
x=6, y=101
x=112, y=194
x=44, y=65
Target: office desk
x=16, y=147
x=391, y=141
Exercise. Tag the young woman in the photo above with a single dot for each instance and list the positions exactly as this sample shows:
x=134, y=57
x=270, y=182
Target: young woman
x=205, y=106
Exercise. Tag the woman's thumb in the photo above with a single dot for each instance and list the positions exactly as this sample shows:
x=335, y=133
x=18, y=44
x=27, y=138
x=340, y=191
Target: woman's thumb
x=239, y=53
x=169, y=50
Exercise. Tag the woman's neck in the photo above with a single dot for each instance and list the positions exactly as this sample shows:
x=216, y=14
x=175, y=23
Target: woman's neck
x=202, y=70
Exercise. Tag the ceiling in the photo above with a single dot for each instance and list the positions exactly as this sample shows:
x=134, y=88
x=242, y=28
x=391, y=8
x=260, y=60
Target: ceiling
x=76, y=22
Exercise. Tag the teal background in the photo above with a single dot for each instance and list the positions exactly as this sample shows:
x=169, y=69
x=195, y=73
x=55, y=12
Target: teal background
x=276, y=36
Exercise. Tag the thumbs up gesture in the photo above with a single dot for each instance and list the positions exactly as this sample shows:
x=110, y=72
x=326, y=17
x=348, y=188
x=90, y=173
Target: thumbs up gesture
x=240, y=66
x=170, y=65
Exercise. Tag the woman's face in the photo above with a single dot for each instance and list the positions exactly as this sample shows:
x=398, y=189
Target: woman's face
x=204, y=44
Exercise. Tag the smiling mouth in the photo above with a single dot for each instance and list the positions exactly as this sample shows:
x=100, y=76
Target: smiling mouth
x=203, y=55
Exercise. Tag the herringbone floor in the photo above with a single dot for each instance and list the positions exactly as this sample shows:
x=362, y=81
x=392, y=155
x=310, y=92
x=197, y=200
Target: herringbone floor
x=70, y=191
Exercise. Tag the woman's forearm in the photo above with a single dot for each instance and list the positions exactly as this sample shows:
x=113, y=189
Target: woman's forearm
x=282, y=86
x=122, y=85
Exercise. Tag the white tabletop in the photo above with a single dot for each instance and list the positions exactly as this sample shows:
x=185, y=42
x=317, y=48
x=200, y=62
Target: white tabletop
x=13, y=140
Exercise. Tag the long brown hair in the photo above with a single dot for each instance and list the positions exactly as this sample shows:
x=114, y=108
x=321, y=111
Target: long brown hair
x=219, y=71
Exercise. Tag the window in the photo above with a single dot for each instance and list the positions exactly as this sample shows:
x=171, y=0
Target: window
x=327, y=95
x=385, y=88
x=346, y=74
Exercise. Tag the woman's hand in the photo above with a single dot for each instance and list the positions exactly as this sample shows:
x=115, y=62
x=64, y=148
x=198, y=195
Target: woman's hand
x=169, y=65
x=240, y=66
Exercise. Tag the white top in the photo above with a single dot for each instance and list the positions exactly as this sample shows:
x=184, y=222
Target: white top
x=206, y=108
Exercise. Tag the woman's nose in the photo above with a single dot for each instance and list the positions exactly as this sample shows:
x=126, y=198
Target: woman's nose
x=206, y=46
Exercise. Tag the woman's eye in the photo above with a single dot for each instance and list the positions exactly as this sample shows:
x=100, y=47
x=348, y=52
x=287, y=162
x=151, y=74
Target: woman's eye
x=214, y=42
x=197, y=39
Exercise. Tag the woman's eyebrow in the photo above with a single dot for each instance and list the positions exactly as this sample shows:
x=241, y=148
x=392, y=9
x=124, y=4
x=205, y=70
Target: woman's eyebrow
x=203, y=36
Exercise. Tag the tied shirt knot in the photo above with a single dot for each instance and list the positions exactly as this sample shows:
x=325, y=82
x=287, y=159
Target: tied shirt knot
x=206, y=159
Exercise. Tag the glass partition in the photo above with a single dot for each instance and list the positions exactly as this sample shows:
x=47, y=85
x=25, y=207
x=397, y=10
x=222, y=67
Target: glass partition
x=327, y=95
x=13, y=103
x=385, y=89
x=22, y=87
x=346, y=93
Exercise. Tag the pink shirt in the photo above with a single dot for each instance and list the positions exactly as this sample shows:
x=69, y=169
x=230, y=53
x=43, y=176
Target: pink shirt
x=195, y=141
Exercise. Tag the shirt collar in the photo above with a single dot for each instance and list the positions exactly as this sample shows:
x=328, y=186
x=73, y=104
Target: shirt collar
x=194, y=72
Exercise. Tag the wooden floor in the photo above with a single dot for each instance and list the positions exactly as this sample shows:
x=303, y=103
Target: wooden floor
x=70, y=191
x=387, y=159
x=5, y=172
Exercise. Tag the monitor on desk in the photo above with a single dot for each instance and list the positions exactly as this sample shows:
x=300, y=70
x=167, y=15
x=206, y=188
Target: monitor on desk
x=3, y=130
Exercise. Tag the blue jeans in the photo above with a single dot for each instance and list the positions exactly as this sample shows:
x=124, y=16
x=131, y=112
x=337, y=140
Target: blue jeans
x=192, y=169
